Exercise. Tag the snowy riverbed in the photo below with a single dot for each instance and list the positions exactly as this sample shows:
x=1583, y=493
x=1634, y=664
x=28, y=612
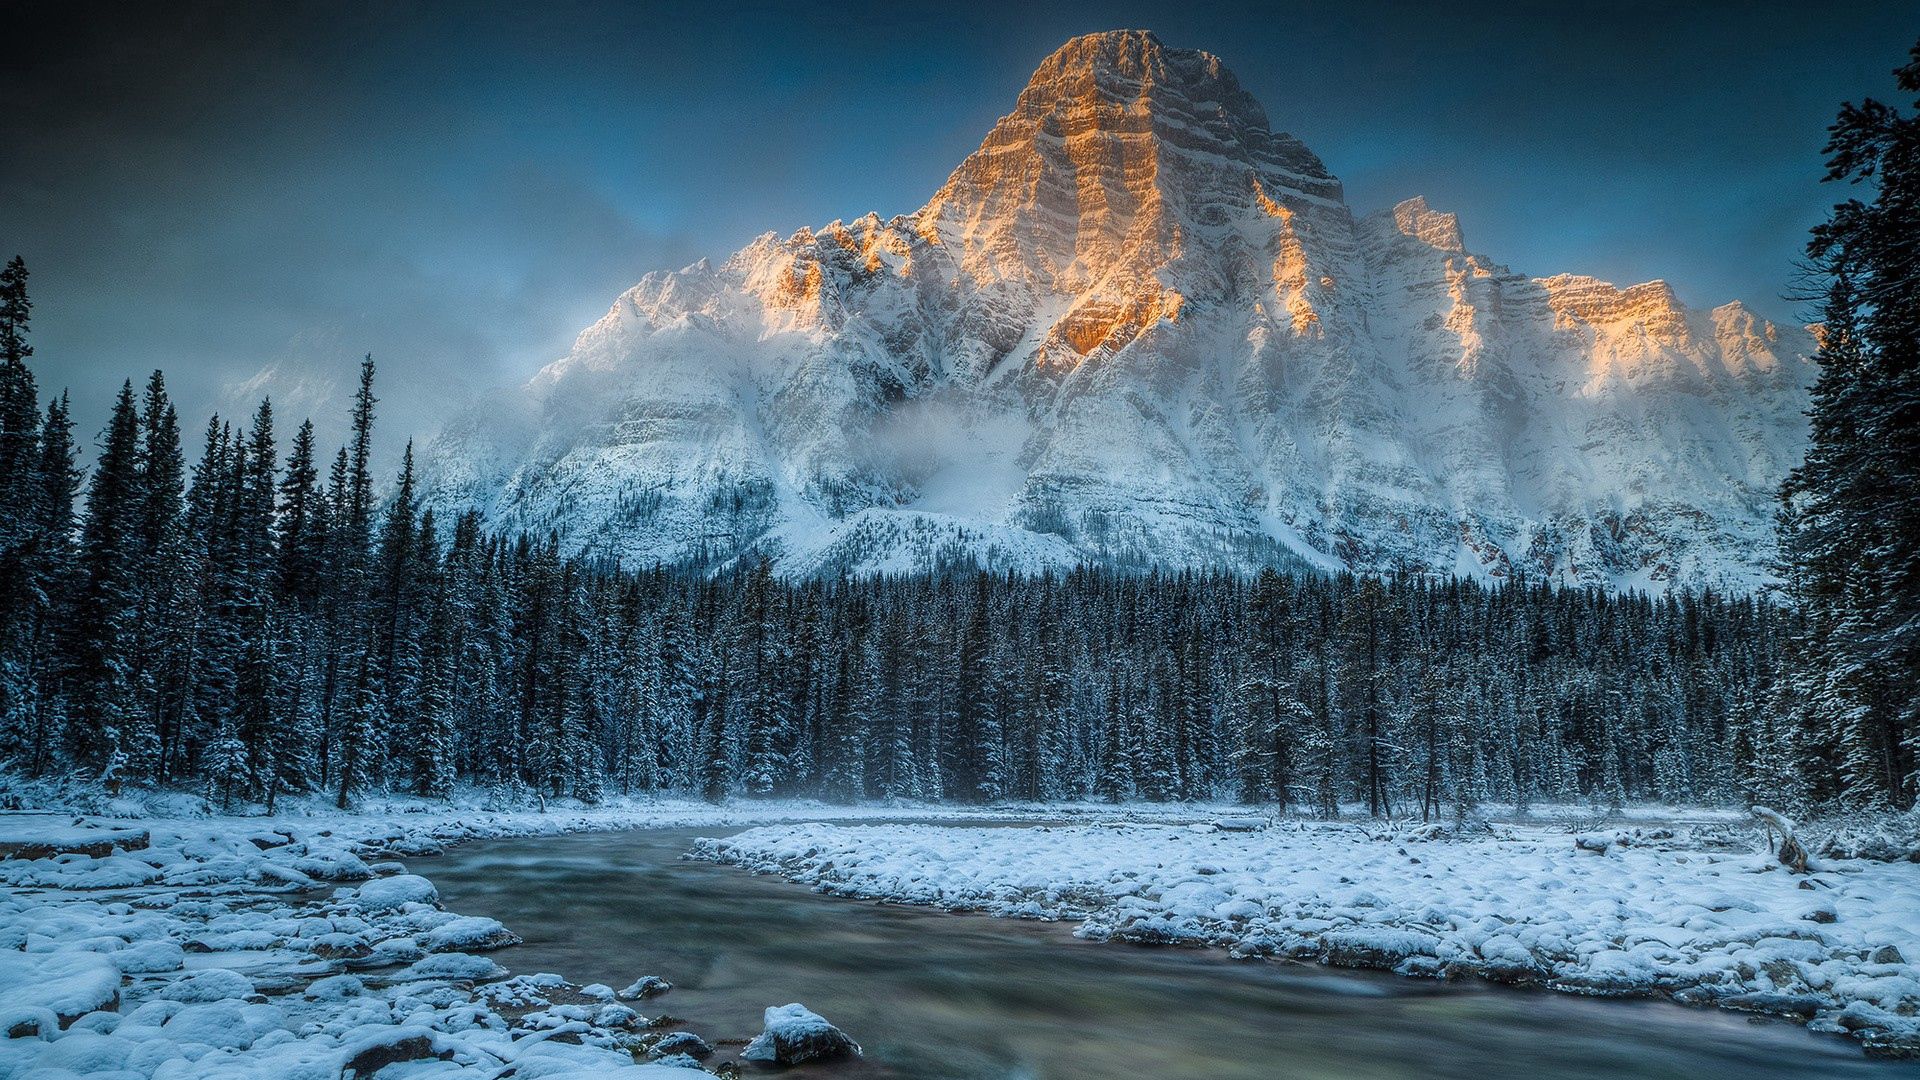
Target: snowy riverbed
x=1669, y=912
x=297, y=947
x=312, y=946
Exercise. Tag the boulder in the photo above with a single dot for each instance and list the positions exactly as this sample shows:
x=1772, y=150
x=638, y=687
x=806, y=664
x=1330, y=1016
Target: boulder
x=794, y=1034
x=680, y=1042
x=644, y=987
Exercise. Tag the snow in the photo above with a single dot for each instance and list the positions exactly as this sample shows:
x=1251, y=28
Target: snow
x=212, y=964
x=226, y=948
x=793, y=1034
x=69, y=984
x=1671, y=916
x=395, y=893
x=1013, y=377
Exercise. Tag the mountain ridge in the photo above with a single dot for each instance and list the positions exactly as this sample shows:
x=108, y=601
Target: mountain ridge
x=1138, y=327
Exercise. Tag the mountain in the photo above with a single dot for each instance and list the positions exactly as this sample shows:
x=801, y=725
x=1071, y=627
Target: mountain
x=1137, y=326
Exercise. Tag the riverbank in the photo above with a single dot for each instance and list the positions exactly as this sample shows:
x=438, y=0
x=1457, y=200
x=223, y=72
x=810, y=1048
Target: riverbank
x=298, y=947
x=305, y=945
x=1695, y=914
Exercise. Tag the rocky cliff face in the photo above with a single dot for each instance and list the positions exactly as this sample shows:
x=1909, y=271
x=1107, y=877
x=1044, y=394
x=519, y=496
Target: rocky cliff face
x=1137, y=326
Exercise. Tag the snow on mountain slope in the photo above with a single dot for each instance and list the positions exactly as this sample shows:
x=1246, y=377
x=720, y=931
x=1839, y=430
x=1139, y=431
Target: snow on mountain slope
x=1137, y=326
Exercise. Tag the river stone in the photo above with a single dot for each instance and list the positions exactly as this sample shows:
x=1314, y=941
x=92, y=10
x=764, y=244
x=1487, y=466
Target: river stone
x=644, y=987
x=680, y=1042
x=394, y=893
x=794, y=1034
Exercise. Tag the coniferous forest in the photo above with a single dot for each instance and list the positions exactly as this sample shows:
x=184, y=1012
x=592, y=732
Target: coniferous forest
x=264, y=622
x=273, y=619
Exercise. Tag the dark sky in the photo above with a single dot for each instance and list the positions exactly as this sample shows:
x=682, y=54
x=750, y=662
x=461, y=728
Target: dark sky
x=253, y=195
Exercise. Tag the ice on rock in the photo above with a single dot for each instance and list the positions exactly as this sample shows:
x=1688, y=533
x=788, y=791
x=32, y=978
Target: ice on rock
x=792, y=1034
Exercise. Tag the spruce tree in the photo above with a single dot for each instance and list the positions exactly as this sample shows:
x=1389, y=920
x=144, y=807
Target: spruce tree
x=1850, y=523
x=101, y=697
x=22, y=536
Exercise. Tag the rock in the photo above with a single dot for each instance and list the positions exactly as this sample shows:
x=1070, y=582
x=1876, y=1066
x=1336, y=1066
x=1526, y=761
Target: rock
x=149, y=958
x=680, y=1042
x=1822, y=913
x=34, y=838
x=396, y=892
x=617, y=1016
x=213, y=984
x=365, y=1060
x=644, y=987
x=1887, y=954
x=453, y=966
x=1598, y=843
x=36, y=1024
x=338, y=946
x=794, y=1034
x=335, y=988
x=474, y=933
x=415, y=846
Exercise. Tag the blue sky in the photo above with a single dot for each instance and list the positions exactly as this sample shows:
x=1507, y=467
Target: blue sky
x=253, y=195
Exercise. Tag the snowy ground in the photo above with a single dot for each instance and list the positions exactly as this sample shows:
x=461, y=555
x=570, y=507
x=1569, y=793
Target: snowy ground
x=298, y=947
x=303, y=946
x=1698, y=914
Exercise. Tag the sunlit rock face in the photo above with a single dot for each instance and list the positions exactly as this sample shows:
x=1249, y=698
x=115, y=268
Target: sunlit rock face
x=1139, y=327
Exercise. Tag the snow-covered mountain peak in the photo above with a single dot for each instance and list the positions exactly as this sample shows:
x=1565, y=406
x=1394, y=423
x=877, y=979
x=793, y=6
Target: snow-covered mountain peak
x=1121, y=158
x=1440, y=231
x=1138, y=326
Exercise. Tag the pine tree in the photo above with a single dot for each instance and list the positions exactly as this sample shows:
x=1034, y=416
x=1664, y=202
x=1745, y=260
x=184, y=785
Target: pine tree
x=1850, y=522
x=36, y=632
x=157, y=577
x=98, y=678
x=22, y=534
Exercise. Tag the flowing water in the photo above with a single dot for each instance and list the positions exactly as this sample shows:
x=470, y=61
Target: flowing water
x=936, y=996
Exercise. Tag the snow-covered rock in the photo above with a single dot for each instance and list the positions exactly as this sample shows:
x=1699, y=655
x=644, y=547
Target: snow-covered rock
x=389, y=894
x=644, y=987
x=680, y=1043
x=1138, y=325
x=68, y=984
x=793, y=1034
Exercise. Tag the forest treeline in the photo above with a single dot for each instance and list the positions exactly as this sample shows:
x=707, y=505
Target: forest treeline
x=259, y=624
x=271, y=621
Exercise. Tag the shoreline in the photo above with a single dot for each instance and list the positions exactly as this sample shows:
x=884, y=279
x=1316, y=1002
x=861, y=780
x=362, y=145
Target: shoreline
x=294, y=945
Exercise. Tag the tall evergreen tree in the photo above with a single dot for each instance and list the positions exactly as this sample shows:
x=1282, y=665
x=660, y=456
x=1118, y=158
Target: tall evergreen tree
x=1850, y=523
x=105, y=610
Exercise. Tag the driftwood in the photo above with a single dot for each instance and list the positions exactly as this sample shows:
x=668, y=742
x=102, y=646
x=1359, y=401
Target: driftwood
x=1793, y=855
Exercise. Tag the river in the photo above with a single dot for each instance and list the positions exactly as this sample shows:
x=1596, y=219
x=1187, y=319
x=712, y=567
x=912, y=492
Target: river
x=936, y=996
